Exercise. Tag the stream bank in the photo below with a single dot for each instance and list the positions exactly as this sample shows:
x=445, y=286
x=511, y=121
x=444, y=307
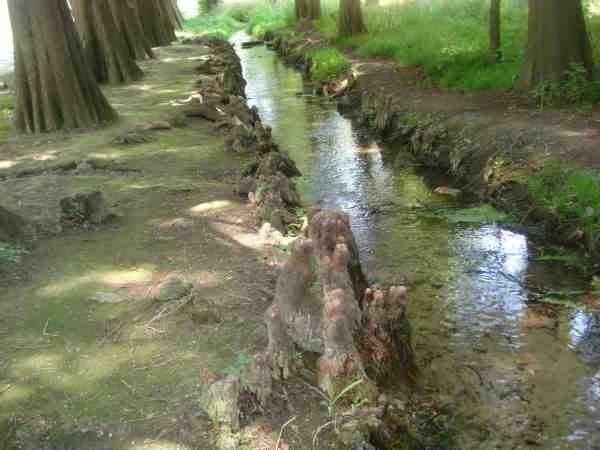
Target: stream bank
x=490, y=144
x=499, y=369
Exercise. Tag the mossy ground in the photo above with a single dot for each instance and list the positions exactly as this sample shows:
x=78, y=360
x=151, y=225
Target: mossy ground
x=75, y=373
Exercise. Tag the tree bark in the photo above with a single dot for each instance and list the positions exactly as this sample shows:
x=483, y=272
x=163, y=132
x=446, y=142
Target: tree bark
x=495, y=31
x=105, y=48
x=308, y=9
x=130, y=26
x=302, y=8
x=55, y=88
x=350, y=18
x=155, y=22
x=557, y=37
x=314, y=12
x=322, y=305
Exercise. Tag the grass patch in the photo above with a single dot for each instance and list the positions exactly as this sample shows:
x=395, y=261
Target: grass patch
x=328, y=64
x=220, y=23
x=266, y=17
x=570, y=194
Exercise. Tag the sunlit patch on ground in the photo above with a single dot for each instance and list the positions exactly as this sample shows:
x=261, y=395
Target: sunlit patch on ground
x=114, y=278
x=203, y=208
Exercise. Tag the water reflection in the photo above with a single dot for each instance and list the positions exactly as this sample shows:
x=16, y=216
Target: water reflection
x=537, y=377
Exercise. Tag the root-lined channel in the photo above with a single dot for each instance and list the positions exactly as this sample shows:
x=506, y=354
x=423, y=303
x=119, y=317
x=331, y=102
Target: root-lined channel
x=505, y=370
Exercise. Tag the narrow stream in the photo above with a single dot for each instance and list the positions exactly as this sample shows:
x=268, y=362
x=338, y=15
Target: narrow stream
x=511, y=374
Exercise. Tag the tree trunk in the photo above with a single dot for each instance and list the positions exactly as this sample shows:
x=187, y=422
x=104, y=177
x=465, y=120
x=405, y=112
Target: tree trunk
x=55, y=87
x=130, y=26
x=173, y=13
x=106, y=49
x=557, y=37
x=314, y=9
x=302, y=8
x=350, y=19
x=155, y=22
x=495, y=27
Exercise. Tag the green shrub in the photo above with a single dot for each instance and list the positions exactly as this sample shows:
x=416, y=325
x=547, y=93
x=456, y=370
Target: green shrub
x=328, y=64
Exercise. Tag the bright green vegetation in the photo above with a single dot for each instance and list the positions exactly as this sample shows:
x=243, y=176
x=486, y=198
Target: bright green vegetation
x=221, y=23
x=328, y=63
x=264, y=17
x=447, y=39
x=10, y=255
x=572, y=195
x=256, y=18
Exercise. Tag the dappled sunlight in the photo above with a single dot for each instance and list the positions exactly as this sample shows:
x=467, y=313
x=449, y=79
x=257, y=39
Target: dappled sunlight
x=142, y=87
x=158, y=445
x=102, y=364
x=202, y=208
x=205, y=278
x=8, y=164
x=241, y=235
x=115, y=278
x=37, y=363
x=17, y=393
x=587, y=132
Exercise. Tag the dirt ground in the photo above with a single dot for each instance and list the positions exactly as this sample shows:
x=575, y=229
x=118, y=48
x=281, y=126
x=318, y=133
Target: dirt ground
x=80, y=371
x=496, y=118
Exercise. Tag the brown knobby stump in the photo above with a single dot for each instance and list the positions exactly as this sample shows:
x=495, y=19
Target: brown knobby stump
x=323, y=305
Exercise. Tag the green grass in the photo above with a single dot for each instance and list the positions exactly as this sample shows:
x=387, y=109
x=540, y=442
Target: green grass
x=449, y=41
x=572, y=194
x=220, y=23
x=328, y=64
x=265, y=17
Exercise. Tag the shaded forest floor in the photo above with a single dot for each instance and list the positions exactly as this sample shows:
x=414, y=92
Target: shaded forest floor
x=86, y=359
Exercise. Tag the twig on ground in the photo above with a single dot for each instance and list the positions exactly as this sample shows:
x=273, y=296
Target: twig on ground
x=45, y=330
x=281, y=431
x=6, y=389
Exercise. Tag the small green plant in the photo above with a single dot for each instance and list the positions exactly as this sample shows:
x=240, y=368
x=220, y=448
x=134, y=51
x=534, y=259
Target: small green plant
x=328, y=64
x=575, y=90
x=10, y=255
x=241, y=369
x=332, y=402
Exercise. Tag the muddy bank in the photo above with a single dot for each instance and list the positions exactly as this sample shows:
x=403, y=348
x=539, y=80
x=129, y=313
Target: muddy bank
x=488, y=143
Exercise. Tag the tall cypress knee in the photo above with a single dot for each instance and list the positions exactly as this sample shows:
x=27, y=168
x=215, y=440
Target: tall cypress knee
x=55, y=88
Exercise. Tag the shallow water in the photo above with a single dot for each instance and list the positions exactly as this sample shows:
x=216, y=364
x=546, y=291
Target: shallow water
x=514, y=375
